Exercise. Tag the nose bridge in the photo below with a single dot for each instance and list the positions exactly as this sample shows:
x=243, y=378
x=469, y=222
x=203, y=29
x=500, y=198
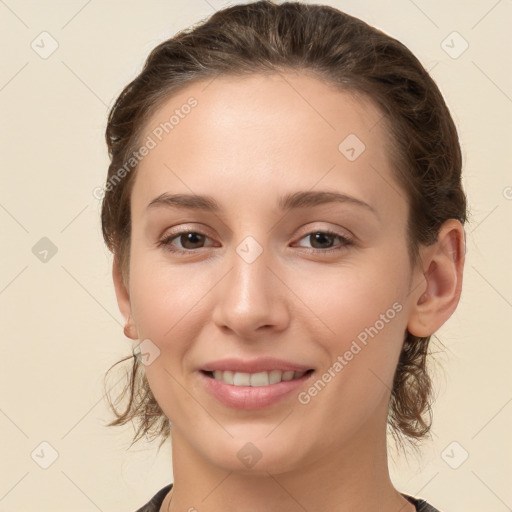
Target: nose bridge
x=250, y=296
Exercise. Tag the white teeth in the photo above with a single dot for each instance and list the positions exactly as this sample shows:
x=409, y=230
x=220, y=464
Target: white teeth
x=259, y=379
x=274, y=376
x=227, y=377
x=242, y=379
x=255, y=379
x=287, y=375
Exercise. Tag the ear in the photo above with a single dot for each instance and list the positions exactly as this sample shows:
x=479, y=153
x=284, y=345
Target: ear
x=438, y=293
x=123, y=300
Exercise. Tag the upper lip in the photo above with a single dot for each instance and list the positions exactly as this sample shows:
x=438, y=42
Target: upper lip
x=261, y=364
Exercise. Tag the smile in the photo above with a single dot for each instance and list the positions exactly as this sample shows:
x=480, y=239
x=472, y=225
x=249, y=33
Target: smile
x=259, y=379
x=241, y=390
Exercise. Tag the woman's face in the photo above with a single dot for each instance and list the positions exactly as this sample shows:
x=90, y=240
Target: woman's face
x=296, y=251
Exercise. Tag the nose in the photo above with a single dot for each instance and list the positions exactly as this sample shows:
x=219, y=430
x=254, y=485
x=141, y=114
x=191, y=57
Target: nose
x=252, y=299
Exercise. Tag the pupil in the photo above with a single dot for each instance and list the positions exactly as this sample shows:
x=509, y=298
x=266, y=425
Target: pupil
x=189, y=237
x=318, y=237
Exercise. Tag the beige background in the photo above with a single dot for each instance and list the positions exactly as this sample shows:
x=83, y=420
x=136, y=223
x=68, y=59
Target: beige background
x=60, y=325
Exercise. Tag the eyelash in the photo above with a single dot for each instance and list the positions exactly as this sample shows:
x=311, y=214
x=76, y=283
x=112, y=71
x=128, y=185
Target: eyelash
x=165, y=243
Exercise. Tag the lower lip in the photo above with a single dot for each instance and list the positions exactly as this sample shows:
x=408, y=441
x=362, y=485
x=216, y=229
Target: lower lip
x=251, y=397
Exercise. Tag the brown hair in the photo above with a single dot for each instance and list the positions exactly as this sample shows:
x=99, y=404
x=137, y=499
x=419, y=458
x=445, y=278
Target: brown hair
x=263, y=37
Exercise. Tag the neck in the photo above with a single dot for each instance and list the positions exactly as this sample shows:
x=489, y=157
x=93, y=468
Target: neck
x=344, y=478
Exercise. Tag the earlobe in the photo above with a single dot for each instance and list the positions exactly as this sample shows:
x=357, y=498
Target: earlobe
x=123, y=300
x=442, y=266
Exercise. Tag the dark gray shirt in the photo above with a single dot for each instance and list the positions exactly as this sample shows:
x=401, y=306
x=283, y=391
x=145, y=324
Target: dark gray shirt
x=156, y=502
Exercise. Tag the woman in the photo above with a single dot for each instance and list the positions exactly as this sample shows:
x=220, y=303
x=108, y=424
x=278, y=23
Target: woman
x=285, y=210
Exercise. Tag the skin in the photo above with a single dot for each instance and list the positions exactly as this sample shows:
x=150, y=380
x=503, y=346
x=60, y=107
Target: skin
x=247, y=142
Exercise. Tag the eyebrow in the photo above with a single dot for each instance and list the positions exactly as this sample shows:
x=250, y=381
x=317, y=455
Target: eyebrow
x=291, y=201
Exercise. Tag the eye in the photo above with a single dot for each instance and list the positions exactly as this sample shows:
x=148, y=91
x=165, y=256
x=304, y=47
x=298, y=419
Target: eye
x=322, y=240
x=188, y=240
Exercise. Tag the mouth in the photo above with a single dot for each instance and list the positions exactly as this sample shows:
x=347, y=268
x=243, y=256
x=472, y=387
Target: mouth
x=243, y=390
x=259, y=379
x=253, y=383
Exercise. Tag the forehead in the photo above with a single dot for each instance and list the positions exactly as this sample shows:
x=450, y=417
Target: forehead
x=272, y=102
x=255, y=131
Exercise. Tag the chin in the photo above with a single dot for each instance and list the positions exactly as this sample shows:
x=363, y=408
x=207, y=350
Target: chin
x=256, y=454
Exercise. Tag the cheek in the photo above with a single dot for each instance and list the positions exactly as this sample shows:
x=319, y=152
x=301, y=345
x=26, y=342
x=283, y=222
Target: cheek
x=352, y=299
x=165, y=301
x=365, y=318
x=166, y=306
